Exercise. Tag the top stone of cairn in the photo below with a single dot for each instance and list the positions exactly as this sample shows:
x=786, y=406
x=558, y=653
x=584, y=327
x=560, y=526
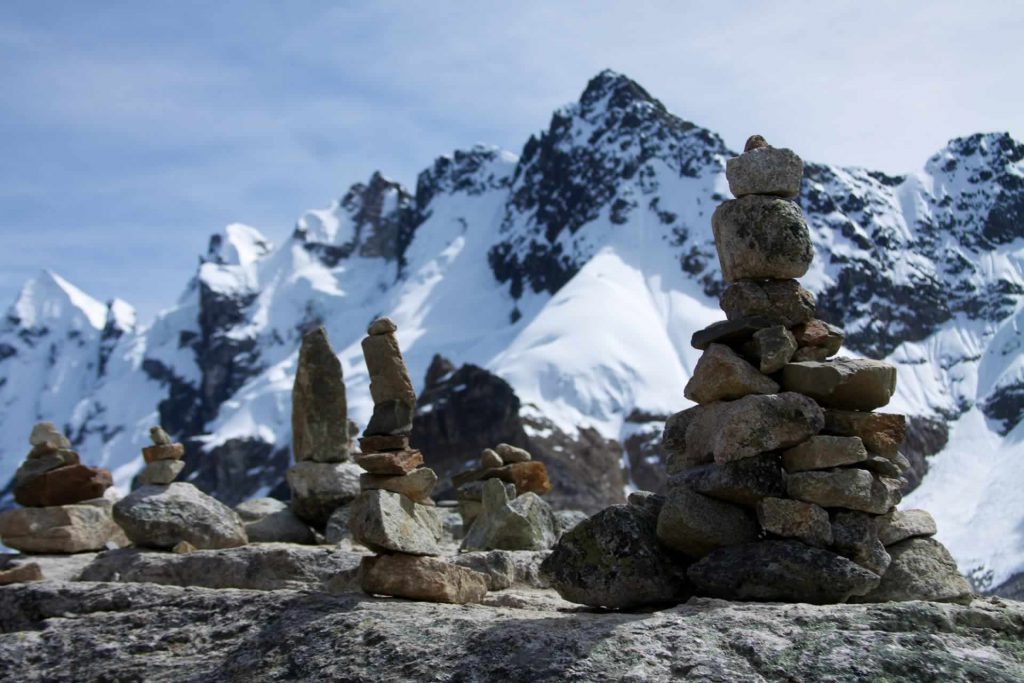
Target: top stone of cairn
x=763, y=169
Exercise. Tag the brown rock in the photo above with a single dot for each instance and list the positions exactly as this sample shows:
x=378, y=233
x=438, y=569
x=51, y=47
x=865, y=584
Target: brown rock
x=490, y=459
x=319, y=406
x=421, y=578
x=64, y=486
x=30, y=571
x=721, y=374
x=171, y=451
x=510, y=454
x=845, y=383
x=416, y=486
x=695, y=525
x=881, y=433
x=390, y=462
x=754, y=142
x=380, y=443
x=824, y=452
x=821, y=335
x=761, y=237
x=183, y=548
x=526, y=476
x=853, y=489
x=40, y=464
x=60, y=529
x=806, y=522
x=381, y=326
x=390, y=387
x=784, y=301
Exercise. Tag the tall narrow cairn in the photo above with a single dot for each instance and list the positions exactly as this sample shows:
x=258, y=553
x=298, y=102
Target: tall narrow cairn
x=784, y=484
x=394, y=515
x=65, y=506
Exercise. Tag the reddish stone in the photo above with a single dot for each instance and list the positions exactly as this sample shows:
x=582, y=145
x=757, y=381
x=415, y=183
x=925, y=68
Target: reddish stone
x=390, y=462
x=389, y=442
x=527, y=476
x=64, y=486
x=170, y=451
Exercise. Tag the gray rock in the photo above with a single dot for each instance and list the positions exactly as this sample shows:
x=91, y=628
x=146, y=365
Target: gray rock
x=506, y=568
x=60, y=529
x=47, y=434
x=646, y=500
x=337, y=530
x=421, y=578
x=161, y=516
x=855, y=535
x=784, y=301
x=883, y=467
x=569, y=519
x=159, y=437
x=694, y=525
x=805, y=522
x=614, y=560
x=774, y=347
x=853, y=489
x=160, y=472
x=761, y=237
x=382, y=325
x=899, y=525
x=678, y=458
x=319, y=408
x=282, y=526
x=824, y=452
x=765, y=170
x=320, y=488
x=721, y=374
x=510, y=454
x=731, y=332
x=522, y=523
x=255, y=567
x=845, y=383
x=384, y=521
x=258, y=508
x=470, y=497
x=783, y=571
x=744, y=482
x=921, y=569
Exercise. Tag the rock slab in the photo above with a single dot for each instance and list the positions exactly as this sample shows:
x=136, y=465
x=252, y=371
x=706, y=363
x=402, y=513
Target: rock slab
x=421, y=578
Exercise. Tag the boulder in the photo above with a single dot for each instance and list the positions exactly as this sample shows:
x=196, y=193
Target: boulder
x=416, y=486
x=773, y=347
x=853, y=489
x=161, y=516
x=29, y=571
x=320, y=488
x=822, y=452
x=784, y=301
x=391, y=463
x=319, y=406
x=614, y=560
x=63, y=486
x=761, y=237
x=163, y=451
x=421, y=578
x=282, y=526
x=744, y=482
x=161, y=472
x=846, y=383
x=60, y=529
x=818, y=334
x=721, y=374
x=504, y=523
x=899, y=525
x=731, y=332
x=921, y=569
x=385, y=521
x=783, y=571
x=805, y=522
x=855, y=535
x=765, y=170
x=694, y=525
x=882, y=433
x=510, y=454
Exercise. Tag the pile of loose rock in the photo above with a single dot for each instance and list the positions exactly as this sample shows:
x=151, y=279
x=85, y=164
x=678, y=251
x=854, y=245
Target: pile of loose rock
x=783, y=482
x=65, y=506
x=394, y=515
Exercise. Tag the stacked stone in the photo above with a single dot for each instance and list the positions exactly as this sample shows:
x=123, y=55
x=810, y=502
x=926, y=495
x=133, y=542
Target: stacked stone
x=507, y=463
x=323, y=478
x=784, y=483
x=163, y=459
x=65, y=506
x=394, y=515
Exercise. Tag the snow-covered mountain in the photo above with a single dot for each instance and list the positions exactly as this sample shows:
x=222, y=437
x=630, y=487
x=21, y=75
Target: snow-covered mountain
x=576, y=271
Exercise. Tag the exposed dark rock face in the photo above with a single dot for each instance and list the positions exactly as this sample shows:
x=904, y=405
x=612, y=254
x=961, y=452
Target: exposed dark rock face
x=925, y=437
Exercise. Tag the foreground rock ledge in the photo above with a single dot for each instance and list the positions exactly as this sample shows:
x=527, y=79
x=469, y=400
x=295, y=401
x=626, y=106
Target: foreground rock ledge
x=80, y=631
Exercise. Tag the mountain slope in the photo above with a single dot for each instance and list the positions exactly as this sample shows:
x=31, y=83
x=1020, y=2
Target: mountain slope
x=575, y=271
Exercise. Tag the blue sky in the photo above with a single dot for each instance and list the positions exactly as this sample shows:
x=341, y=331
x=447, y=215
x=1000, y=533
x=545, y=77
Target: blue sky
x=133, y=130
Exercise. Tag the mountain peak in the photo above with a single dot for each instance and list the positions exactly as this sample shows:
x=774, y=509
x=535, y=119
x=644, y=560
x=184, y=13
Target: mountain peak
x=612, y=90
x=49, y=297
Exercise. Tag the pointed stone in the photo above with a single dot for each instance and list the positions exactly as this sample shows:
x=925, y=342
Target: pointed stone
x=489, y=459
x=319, y=407
x=394, y=400
x=504, y=523
x=159, y=437
x=722, y=375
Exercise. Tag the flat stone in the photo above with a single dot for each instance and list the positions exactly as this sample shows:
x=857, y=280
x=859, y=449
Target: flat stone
x=721, y=374
x=525, y=522
x=257, y=508
x=161, y=516
x=694, y=525
x=320, y=488
x=883, y=467
x=733, y=430
x=47, y=434
x=780, y=571
x=385, y=521
x=899, y=525
x=921, y=569
x=761, y=237
x=731, y=332
x=394, y=400
x=819, y=334
x=765, y=170
x=744, y=482
x=823, y=452
x=774, y=347
x=30, y=571
x=805, y=522
x=416, y=486
x=319, y=407
x=846, y=383
x=882, y=433
x=784, y=301
x=490, y=459
x=161, y=472
x=60, y=529
x=390, y=462
x=421, y=578
x=170, y=451
x=614, y=560
x=510, y=454
x=855, y=535
x=282, y=526
x=385, y=442
x=852, y=489
x=42, y=463
x=63, y=486
x=382, y=326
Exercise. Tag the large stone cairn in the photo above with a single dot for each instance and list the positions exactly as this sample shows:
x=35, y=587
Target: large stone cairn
x=783, y=483
x=394, y=515
x=65, y=506
x=323, y=479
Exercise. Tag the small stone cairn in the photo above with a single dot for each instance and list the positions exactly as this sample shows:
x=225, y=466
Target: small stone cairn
x=783, y=482
x=394, y=515
x=66, y=509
